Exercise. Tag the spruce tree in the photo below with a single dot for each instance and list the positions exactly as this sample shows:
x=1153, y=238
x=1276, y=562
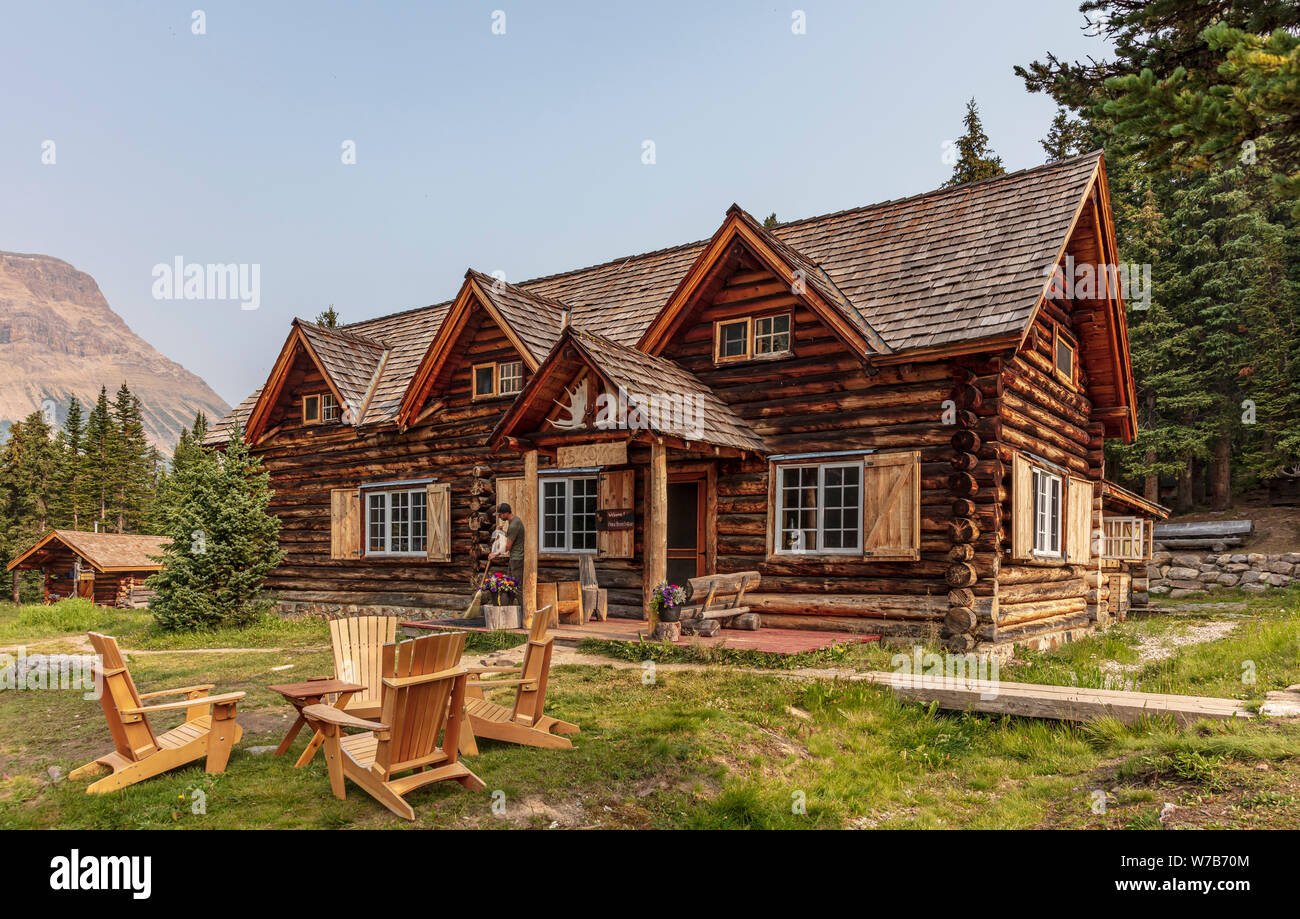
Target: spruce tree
x=130, y=482
x=71, y=495
x=1066, y=137
x=975, y=160
x=224, y=542
x=100, y=446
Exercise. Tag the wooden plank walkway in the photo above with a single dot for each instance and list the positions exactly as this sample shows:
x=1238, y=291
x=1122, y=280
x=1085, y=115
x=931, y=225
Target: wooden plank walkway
x=1067, y=703
x=771, y=641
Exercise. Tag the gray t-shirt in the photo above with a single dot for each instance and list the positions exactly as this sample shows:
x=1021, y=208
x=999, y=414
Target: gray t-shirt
x=515, y=535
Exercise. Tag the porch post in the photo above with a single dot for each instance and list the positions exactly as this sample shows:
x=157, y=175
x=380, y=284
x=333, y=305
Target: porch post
x=532, y=537
x=656, y=530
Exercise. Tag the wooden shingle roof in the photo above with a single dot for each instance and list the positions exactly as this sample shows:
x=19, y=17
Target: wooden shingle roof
x=350, y=361
x=936, y=270
x=104, y=551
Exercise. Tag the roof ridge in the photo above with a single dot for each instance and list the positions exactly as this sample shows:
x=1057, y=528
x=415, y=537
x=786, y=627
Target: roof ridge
x=556, y=304
x=342, y=332
x=941, y=190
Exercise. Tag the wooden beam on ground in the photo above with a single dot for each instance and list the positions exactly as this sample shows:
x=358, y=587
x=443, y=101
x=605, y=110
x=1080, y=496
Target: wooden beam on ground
x=1062, y=703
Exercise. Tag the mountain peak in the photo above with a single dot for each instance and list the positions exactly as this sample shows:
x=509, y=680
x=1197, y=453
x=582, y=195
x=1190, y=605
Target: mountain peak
x=59, y=338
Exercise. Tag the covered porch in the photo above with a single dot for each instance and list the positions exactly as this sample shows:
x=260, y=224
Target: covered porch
x=621, y=456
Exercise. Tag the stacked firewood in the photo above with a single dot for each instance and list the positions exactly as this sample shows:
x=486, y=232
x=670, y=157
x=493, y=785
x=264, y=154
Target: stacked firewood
x=482, y=513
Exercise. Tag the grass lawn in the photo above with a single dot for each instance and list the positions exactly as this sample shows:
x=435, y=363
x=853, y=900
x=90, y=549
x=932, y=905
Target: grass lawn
x=715, y=739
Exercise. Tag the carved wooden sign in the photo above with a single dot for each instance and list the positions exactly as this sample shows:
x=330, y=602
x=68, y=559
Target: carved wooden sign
x=609, y=453
x=615, y=518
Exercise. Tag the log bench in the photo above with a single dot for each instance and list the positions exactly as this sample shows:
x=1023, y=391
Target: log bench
x=723, y=604
x=1216, y=535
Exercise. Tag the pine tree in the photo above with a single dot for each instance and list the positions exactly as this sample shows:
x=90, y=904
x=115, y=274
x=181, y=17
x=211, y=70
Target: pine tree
x=329, y=317
x=770, y=221
x=224, y=542
x=975, y=160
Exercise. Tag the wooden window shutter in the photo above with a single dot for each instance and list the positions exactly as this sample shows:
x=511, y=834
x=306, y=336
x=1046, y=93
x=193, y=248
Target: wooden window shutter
x=1022, y=508
x=1078, y=530
x=891, y=518
x=438, y=521
x=616, y=492
x=345, y=523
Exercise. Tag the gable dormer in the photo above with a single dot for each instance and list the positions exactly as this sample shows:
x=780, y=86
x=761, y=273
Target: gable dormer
x=323, y=379
x=494, y=337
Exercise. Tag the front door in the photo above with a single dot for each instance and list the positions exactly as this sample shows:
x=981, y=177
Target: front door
x=685, y=529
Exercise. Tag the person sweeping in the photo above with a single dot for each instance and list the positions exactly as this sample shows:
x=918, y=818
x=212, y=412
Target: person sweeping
x=514, y=544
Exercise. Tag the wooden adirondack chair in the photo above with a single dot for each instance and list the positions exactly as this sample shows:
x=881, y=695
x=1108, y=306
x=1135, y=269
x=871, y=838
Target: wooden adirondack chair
x=423, y=700
x=524, y=722
x=358, y=649
x=209, y=730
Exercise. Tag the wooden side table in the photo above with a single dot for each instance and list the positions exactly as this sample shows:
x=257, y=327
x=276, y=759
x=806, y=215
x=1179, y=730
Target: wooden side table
x=301, y=695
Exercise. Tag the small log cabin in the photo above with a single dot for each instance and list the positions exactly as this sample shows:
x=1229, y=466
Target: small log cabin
x=107, y=568
x=895, y=414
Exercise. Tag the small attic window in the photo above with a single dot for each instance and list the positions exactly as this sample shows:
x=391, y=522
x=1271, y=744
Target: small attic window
x=1064, y=353
x=751, y=338
x=320, y=408
x=311, y=409
x=503, y=378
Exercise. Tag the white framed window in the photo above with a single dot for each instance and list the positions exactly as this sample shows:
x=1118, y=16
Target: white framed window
x=819, y=509
x=1047, y=514
x=320, y=408
x=1124, y=538
x=504, y=378
x=568, y=508
x=397, y=522
x=751, y=337
x=510, y=377
x=772, y=335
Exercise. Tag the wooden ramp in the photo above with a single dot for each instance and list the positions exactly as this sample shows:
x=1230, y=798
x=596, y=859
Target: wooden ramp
x=1068, y=703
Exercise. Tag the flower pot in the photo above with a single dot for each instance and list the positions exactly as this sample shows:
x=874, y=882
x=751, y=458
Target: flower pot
x=503, y=617
x=670, y=614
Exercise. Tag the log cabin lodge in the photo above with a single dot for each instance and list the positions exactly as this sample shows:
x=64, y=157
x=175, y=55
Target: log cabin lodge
x=892, y=413
x=109, y=569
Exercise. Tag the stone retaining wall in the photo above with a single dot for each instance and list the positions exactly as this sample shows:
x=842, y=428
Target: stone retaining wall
x=1182, y=574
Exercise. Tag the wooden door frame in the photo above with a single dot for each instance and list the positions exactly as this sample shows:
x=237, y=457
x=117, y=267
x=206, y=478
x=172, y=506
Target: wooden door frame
x=705, y=473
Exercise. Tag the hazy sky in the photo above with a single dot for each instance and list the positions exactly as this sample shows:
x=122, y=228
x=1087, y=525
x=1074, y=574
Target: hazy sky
x=520, y=152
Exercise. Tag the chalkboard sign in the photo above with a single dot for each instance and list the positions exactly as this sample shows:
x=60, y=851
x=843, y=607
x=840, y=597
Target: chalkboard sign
x=616, y=518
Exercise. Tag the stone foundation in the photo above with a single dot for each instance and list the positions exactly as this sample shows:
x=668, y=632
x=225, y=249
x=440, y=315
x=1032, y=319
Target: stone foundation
x=292, y=609
x=1185, y=574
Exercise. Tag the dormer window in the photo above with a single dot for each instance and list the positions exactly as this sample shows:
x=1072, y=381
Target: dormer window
x=751, y=337
x=320, y=408
x=503, y=378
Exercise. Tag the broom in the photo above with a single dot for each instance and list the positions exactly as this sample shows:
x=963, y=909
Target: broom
x=472, y=611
